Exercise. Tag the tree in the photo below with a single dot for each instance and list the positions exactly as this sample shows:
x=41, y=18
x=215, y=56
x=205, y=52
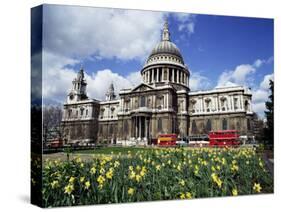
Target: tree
x=52, y=116
x=258, y=128
x=269, y=114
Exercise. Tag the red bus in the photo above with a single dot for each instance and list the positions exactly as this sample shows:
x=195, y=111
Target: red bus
x=55, y=143
x=223, y=138
x=167, y=140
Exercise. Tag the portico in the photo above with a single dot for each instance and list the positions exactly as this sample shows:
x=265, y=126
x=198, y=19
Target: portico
x=140, y=126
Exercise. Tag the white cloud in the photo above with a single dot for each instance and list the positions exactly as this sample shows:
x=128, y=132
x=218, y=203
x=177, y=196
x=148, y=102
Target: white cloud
x=265, y=83
x=242, y=74
x=99, y=82
x=258, y=63
x=107, y=33
x=186, y=22
x=238, y=76
x=57, y=79
x=259, y=108
x=198, y=82
x=260, y=95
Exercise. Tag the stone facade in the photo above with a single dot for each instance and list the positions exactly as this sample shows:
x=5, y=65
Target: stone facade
x=162, y=103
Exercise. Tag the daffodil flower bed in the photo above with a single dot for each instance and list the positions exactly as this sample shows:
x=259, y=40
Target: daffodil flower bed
x=160, y=174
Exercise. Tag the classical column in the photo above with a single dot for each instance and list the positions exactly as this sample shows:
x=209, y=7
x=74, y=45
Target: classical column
x=135, y=125
x=153, y=75
x=242, y=102
x=181, y=77
x=216, y=103
x=157, y=75
x=167, y=106
x=146, y=77
x=140, y=126
x=177, y=76
x=219, y=103
x=147, y=128
x=173, y=75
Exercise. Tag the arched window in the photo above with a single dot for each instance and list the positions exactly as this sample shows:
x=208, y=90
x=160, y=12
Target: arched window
x=209, y=125
x=194, y=127
x=159, y=124
x=224, y=124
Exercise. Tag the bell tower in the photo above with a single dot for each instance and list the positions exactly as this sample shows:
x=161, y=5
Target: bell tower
x=78, y=91
x=110, y=94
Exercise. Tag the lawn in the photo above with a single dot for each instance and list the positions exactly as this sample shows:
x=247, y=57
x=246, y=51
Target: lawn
x=113, y=150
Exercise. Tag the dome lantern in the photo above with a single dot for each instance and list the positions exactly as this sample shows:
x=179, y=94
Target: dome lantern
x=166, y=33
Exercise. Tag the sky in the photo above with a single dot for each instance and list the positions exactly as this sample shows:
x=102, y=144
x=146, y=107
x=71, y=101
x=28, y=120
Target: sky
x=112, y=45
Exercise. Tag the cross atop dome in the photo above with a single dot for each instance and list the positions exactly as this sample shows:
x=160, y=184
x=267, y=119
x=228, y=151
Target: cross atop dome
x=166, y=33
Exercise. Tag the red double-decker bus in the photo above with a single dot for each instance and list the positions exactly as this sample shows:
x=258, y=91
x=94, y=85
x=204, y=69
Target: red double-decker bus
x=167, y=140
x=223, y=138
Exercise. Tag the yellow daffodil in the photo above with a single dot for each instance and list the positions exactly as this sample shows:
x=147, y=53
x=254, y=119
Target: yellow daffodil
x=158, y=167
x=257, y=187
x=188, y=195
x=87, y=184
x=234, y=168
x=132, y=175
x=116, y=164
x=93, y=170
x=109, y=174
x=138, y=178
x=131, y=191
x=181, y=182
x=68, y=189
x=55, y=184
x=82, y=179
x=234, y=192
x=182, y=195
x=71, y=180
x=216, y=179
x=101, y=181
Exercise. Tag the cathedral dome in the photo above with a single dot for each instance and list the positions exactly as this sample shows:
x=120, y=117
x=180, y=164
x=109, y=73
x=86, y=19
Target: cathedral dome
x=165, y=51
x=165, y=64
x=166, y=47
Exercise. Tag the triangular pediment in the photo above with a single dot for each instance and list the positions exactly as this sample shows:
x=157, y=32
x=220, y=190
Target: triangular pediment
x=142, y=87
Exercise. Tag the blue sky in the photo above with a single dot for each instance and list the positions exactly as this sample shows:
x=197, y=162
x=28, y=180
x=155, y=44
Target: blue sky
x=113, y=45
